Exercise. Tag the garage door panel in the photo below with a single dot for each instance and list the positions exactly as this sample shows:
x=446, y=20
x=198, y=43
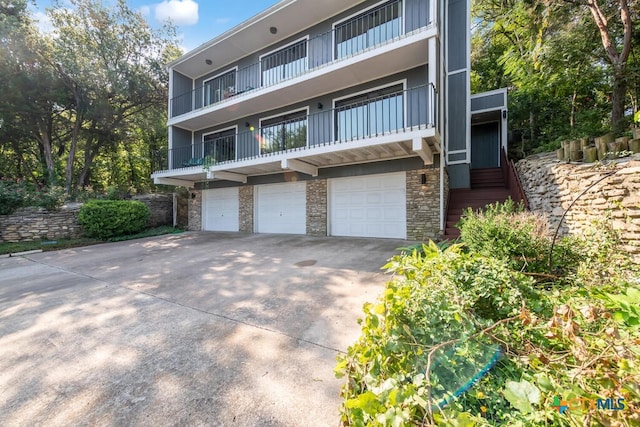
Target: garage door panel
x=368, y=206
x=374, y=198
x=394, y=198
x=281, y=208
x=220, y=209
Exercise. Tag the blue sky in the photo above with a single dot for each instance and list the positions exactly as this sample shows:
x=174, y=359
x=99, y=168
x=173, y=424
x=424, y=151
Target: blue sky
x=196, y=20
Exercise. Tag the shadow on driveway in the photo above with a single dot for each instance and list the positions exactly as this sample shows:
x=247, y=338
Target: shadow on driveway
x=198, y=328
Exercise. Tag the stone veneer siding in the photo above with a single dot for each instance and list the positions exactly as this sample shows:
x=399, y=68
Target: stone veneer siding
x=551, y=186
x=195, y=210
x=246, y=208
x=317, y=207
x=423, y=204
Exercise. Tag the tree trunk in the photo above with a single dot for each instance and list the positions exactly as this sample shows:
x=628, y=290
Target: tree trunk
x=89, y=154
x=44, y=138
x=617, y=57
x=618, y=95
x=572, y=118
x=75, y=136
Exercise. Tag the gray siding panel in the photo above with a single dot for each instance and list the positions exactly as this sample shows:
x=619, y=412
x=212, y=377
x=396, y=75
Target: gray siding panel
x=457, y=157
x=457, y=111
x=457, y=49
x=488, y=102
x=180, y=137
x=181, y=84
x=181, y=96
x=459, y=176
x=181, y=151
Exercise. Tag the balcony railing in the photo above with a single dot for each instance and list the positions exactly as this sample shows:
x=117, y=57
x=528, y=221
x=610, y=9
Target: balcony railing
x=393, y=113
x=375, y=27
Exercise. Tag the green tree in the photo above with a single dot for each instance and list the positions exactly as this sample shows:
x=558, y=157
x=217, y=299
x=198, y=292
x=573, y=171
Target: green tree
x=111, y=63
x=32, y=96
x=615, y=25
x=549, y=55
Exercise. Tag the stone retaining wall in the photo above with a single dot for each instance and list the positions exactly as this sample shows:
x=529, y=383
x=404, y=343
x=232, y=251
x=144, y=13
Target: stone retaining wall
x=551, y=186
x=36, y=223
x=160, y=208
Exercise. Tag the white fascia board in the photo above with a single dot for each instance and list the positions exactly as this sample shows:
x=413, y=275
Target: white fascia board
x=421, y=148
x=490, y=92
x=300, y=166
x=174, y=181
x=227, y=176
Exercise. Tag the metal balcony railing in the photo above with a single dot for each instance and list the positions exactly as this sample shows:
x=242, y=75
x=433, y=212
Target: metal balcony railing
x=392, y=113
x=373, y=28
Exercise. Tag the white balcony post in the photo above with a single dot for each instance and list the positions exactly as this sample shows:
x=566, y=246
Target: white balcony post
x=170, y=154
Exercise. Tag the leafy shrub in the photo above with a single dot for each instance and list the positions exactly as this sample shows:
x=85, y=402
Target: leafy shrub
x=108, y=218
x=115, y=192
x=437, y=297
x=12, y=196
x=15, y=194
x=507, y=231
x=430, y=338
x=49, y=198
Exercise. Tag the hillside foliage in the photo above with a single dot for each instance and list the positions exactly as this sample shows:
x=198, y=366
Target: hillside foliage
x=473, y=334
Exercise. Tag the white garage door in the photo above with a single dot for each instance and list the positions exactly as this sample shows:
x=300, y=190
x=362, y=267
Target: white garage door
x=220, y=209
x=368, y=206
x=281, y=208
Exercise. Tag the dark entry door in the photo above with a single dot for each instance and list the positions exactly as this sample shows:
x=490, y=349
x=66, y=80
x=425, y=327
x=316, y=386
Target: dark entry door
x=485, y=145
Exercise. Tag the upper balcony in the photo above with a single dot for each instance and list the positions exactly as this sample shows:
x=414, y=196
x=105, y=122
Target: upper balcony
x=379, y=41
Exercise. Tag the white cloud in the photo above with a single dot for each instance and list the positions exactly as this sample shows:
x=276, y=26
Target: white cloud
x=179, y=12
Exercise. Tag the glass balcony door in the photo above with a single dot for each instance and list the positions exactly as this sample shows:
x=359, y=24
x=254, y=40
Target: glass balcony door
x=283, y=133
x=370, y=114
x=219, y=88
x=219, y=146
x=284, y=64
x=368, y=29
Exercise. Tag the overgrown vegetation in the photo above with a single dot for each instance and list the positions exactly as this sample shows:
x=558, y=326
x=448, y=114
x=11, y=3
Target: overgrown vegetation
x=482, y=333
x=16, y=194
x=104, y=219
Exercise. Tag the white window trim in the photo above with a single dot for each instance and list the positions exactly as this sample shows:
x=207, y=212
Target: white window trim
x=360, y=12
x=284, y=113
x=404, y=102
x=204, y=82
x=283, y=47
x=218, y=131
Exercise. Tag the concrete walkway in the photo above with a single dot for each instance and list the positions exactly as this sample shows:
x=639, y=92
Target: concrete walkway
x=191, y=329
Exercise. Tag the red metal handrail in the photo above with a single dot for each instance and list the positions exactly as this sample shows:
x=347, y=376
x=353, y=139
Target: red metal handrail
x=512, y=180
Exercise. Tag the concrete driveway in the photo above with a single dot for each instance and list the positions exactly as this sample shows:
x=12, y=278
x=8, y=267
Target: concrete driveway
x=190, y=329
